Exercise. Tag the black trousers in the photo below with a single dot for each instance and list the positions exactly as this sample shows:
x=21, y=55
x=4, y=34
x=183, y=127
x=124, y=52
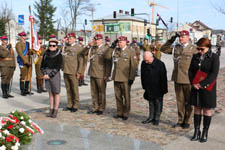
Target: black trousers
x=155, y=108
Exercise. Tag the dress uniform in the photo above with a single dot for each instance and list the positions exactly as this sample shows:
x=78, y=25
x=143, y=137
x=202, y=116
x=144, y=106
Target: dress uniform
x=25, y=63
x=7, y=66
x=155, y=49
x=125, y=64
x=138, y=53
x=72, y=68
x=99, y=71
x=39, y=80
x=182, y=55
x=85, y=59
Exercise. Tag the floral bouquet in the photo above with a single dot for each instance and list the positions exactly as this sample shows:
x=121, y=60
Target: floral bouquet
x=16, y=129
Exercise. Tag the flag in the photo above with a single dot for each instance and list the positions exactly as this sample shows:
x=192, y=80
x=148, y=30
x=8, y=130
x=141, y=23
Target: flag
x=35, y=45
x=162, y=20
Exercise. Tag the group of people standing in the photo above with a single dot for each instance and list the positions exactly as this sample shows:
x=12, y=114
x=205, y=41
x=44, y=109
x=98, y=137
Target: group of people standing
x=191, y=87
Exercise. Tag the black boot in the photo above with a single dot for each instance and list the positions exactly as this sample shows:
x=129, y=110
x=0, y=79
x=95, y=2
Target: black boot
x=38, y=85
x=42, y=86
x=83, y=83
x=22, y=88
x=80, y=82
x=7, y=91
x=4, y=91
x=27, y=84
x=206, y=124
x=157, y=111
x=197, y=123
x=151, y=113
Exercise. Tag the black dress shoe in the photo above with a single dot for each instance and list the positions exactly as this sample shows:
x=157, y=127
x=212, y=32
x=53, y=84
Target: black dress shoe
x=156, y=122
x=149, y=120
x=67, y=109
x=185, y=126
x=92, y=112
x=99, y=112
x=177, y=125
x=124, y=118
x=117, y=116
x=74, y=109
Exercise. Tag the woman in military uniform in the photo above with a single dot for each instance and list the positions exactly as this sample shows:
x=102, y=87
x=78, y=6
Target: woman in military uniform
x=7, y=66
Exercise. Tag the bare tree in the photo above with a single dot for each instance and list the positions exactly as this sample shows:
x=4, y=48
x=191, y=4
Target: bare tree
x=66, y=22
x=78, y=8
x=219, y=6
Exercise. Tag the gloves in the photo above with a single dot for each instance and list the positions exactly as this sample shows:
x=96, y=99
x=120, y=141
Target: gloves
x=130, y=82
x=173, y=38
x=114, y=44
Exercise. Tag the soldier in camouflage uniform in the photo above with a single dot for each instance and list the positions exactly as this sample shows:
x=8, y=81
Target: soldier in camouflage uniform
x=39, y=79
x=125, y=65
x=182, y=55
x=7, y=66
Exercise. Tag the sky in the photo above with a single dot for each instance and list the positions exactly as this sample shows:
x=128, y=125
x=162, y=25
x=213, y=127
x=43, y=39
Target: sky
x=188, y=10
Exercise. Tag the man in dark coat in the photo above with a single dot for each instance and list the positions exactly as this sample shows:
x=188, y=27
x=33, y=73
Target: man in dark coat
x=154, y=82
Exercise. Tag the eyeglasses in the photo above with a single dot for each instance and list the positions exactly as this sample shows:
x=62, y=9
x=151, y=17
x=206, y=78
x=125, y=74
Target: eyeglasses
x=52, y=45
x=200, y=49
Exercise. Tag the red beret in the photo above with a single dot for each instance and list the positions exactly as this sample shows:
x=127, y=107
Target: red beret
x=98, y=36
x=107, y=39
x=184, y=32
x=134, y=41
x=72, y=34
x=128, y=41
x=122, y=38
x=4, y=38
x=40, y=38
x=52, y=36
x=80, y=38
x=22, y=34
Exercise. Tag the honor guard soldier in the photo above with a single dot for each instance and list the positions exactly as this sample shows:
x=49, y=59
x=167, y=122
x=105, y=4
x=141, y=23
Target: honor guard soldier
x=25, y=63
x=39, y=79
x=72, y=68
x=182, y=55
x=7, y=66
x=125, y=65
x=107, y=41
x=99, y=72
x=85, y=58
x=138, y=53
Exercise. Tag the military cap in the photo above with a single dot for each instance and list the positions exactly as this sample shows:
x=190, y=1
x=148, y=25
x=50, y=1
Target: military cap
x=22, y=34
x=134, y=41
x=72, y=34
x=52, y=36
x=98, y=36
x=80, y=38
x=128, y=41
x=40, y=38
x=184, y=32
x=4, y=38
x=122, y=38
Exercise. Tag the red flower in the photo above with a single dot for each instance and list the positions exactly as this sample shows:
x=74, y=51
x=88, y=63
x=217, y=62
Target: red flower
x=8, y=139
x=11, y=137
x=10, y=127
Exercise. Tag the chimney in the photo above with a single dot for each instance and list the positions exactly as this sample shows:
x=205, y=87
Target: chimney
x=121, y=11
x=126, y=12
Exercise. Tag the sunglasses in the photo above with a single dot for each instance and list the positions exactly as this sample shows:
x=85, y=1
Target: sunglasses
x=52, y=45
x=200, y=49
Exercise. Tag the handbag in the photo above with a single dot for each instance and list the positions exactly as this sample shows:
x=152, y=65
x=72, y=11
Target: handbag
x=199, y=76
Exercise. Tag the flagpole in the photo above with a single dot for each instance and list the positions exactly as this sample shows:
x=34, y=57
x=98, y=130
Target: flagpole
x=29, y=73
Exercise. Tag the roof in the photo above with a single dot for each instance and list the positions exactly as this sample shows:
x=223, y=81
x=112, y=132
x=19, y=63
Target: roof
x=202, y=24
x=120, y=16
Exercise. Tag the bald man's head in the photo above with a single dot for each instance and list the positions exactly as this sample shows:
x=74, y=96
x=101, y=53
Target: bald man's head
x=148, y=57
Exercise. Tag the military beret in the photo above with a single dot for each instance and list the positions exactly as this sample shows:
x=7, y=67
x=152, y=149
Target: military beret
x=128, y=41
x=4, y=38
x=80, y=38
x=122, y=38
x=52, y=36
x=107, y=39
x=134, y=41
x=72, y=34
x=184, y=32
x=22, y=34
x=40, y=38
x=98, y=36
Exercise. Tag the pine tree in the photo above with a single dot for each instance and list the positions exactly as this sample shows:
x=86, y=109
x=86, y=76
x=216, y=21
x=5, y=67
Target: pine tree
x=44, y=14
x=2, y=26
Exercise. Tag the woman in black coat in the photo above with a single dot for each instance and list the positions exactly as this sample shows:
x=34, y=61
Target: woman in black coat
x=154, y=82
x=202, y=96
